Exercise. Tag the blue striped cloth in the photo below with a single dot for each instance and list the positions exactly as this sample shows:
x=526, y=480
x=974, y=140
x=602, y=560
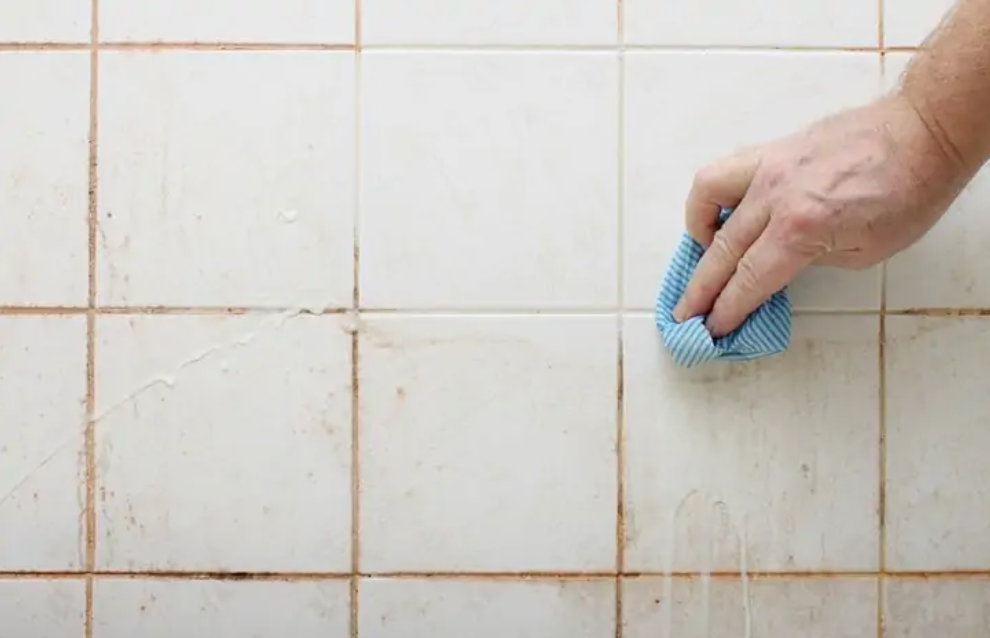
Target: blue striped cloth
x=765, y=332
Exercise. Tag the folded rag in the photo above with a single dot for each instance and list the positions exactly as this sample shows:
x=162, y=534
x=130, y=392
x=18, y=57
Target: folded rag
x=765, y=332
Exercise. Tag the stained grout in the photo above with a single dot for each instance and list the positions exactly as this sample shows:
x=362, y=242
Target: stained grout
x=354, y=575
x=882, y=403
x=314, y=46
x=91, y=302
x=223, y=46
x=492, y=576
x=620, y=430
x=353, y=584
x=38, y=311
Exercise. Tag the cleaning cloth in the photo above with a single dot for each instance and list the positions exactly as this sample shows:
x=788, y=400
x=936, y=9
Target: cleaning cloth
x=765, y=332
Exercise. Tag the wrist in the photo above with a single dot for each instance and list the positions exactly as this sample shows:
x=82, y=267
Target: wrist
x=942, y=134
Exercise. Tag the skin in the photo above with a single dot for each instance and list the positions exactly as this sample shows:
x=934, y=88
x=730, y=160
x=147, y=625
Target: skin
x=850, y=190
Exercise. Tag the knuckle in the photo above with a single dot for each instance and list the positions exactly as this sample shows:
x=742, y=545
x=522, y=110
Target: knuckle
x=746, y=276
x=805, y=224
x=724, y=248
x=705, y=177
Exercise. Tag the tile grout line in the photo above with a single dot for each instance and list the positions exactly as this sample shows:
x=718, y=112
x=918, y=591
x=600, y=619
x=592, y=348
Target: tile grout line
x=33, y=311
x=355, y=341
x=526, y=48
x=489, y=576
x=92, y=231
x=620, y=446
x=881, y=35
x=882, y=413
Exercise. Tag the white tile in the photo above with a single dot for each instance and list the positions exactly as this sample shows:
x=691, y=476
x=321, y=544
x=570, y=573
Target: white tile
x=833, y=608
x=938, y=478
x=44, y=126
x=763, y=22
x=488, y=443
x=487, y=609
x=226, y=178
x=42, y=608
x=947, y=268
x=684, y=110
x=908, y=22
x=307, y=21
x=259, y=609
x=42, y=430
x=488, y=22
x=492, y=183
x=766, y=465
x=223, y=443
x=44, y=21
x=943, y=607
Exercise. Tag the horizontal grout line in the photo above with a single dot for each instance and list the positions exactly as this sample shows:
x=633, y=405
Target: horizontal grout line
x=44, y=46
x=941, y=312
x=215, y=310
x=443, y=312
x=223, y=46
x=43, y=310
x=175, y=46
x=496, y=576
x=314, y=46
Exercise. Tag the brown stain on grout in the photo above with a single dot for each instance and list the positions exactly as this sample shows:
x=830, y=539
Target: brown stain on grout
x=355, y=484
x=880, y=25
x=216, y=310
x=340, y=310
x=42, y=310
x=882, y=439
x=620, y=470
x=45, y=46
x=353, y=584
x=620, y=518
x=942, y=312
x=551, y=312
x=489, y=576
x=359, y=46
x=91, y=296
x=223, y=46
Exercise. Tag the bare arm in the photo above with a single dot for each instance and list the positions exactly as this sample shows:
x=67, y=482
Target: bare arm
x=948, y=82
x=850, y=190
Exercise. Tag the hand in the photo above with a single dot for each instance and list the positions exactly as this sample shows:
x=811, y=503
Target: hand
x=850, y=190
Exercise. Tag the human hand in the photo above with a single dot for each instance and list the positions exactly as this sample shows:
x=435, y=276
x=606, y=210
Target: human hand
x=850, y=190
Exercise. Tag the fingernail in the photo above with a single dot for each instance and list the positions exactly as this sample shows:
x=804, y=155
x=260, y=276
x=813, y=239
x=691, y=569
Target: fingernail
x=712, y=328
x=680, y=313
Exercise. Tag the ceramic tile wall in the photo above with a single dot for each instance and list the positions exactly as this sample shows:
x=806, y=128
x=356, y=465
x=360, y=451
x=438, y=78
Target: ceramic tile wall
x=332, y=318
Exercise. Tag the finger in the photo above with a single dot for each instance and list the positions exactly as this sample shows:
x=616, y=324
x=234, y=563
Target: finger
x=720, y=185
x=769, y=265
x=719, y=262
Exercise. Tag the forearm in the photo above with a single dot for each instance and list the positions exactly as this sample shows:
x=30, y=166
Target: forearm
x=948, y=83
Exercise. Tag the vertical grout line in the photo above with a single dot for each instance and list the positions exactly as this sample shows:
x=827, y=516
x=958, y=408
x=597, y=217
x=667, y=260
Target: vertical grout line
x=355, y=337
x=92, y=221
x=882, y=470
x=882, y=405
x=620, y=520
x=882, y=401
x=881, y=35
